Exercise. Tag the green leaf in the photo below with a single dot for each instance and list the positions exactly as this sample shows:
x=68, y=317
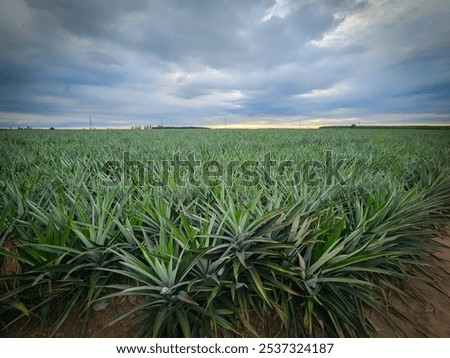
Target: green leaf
x=183, y=296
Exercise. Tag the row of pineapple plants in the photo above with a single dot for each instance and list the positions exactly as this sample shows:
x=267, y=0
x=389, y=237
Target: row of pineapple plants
x=219, y=259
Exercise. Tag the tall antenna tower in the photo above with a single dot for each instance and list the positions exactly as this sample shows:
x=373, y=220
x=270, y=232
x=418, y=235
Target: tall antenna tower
x=90, y=123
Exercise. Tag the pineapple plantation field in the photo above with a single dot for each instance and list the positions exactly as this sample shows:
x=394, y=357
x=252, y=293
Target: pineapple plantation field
x=224, y=233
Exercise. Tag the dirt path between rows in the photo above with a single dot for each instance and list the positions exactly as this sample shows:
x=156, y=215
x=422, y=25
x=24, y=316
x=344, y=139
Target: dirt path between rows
x=429, y=317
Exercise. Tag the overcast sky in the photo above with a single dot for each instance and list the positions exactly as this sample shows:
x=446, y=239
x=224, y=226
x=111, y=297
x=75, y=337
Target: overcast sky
x=259, y=63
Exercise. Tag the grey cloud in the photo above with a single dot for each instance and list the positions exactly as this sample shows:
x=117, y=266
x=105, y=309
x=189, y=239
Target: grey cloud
x=185, y=59
x=85, y=18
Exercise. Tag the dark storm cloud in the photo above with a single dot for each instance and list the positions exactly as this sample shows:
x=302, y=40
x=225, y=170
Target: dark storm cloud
x=84, y=18
x=130, y=62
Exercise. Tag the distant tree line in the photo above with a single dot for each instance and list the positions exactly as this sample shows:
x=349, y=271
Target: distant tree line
x=148, y=126
x=167, y=127
x=354, y=126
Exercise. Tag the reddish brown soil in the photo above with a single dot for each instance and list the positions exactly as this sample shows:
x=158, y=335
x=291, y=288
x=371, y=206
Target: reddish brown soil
x=427, y=317
x=97, y=327
x=430, y=316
